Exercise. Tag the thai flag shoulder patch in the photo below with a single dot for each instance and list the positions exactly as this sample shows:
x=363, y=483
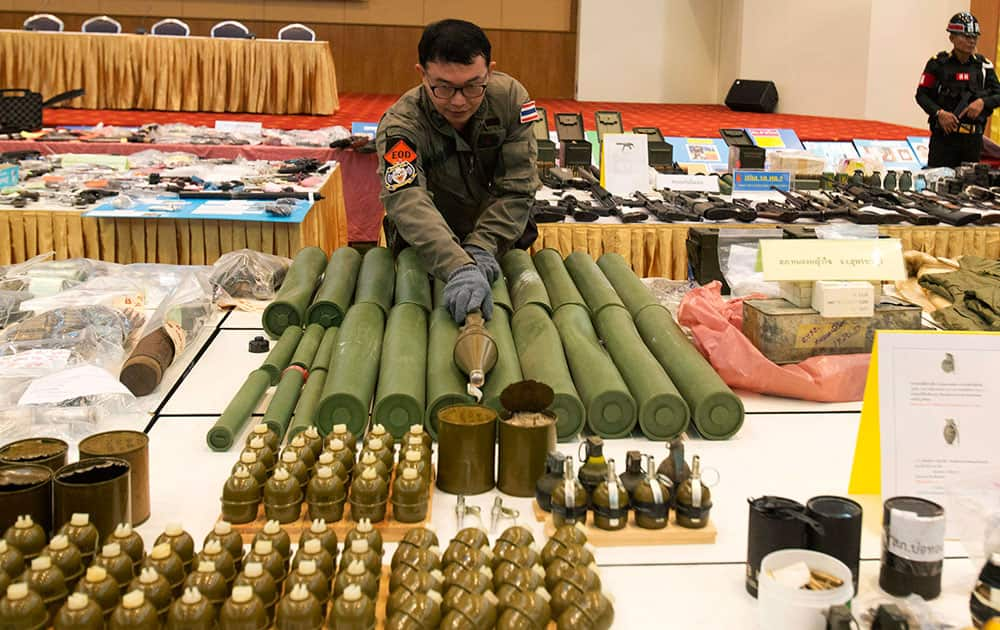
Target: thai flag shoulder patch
x=529, y=113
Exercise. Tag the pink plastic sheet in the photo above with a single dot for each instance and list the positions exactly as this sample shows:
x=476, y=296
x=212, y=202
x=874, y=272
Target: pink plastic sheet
x=717, y=327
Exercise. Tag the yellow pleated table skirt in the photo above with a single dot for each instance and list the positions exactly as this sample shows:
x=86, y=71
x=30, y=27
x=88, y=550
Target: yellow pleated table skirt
x=659, y=250
x=187, y=74
x=27, y=233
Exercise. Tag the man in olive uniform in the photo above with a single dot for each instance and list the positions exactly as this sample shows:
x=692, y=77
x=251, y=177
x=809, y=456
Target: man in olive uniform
x=959, y=91
x=457, y=164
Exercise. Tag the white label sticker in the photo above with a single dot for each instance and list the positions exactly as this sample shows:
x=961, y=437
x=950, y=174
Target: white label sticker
x=916, y=538
x=570, y=492
x=86, y=380
x=613, y=500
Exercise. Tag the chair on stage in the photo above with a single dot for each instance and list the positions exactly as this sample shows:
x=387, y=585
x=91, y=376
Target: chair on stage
x=44, y=22
x=231, y=29
x=172, y=27
x=297, y=32
x=102, y=24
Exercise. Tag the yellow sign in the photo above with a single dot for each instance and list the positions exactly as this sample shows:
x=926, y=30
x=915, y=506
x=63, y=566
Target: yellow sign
x=827, y=259
x=866, y=471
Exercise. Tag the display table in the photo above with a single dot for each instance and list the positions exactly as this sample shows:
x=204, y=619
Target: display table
x=788, y=448
x=361, y=183
x=173, y=73
x=36, y=230
x=659, y=250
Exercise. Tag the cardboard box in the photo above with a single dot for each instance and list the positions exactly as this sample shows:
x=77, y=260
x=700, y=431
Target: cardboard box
x=786, y=333
x=843, y=299
x=798, y=293
x=9, y=175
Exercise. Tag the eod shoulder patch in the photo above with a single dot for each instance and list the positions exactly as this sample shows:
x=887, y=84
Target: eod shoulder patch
x=400, y=164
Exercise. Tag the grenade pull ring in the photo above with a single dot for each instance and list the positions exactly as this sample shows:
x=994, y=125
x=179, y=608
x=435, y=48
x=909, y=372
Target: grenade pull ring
x=500, y=513
x=462, y=510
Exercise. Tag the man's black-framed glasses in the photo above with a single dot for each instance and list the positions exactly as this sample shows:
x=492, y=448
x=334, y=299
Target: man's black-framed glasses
x=447, y=92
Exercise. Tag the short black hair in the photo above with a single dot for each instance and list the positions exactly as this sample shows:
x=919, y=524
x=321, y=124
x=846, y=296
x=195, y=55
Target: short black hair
x=453, y=41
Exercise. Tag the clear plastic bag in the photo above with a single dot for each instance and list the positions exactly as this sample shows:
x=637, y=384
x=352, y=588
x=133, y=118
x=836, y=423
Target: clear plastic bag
x=117, y=291
x=185, y=310
x=15, y=277
x=10, y=307
x=98, y=334
x=246, y=274
x=668, y=292
x=159, y=281
x=738, y=255
x=70, y=424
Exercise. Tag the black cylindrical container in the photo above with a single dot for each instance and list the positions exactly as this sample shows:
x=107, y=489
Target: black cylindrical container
x=98, y=486
x=26, y=489
x=48, y=452
x=775, y=523
x=841, y=537
x=912, y=547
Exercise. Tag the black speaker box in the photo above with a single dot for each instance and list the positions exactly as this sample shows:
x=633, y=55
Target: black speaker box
x=752, y=96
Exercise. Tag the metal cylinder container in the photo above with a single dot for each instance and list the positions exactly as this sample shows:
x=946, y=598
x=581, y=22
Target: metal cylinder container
x=133, y=447
x=98, y=486
x=466, y=455
x=523, y=448
x=26, y=489
x=48, y=452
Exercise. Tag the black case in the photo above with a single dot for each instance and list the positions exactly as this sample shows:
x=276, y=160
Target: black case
x=21, y=110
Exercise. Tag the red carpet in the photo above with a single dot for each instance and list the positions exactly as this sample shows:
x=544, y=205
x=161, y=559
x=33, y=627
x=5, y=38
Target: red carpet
x=673, y=120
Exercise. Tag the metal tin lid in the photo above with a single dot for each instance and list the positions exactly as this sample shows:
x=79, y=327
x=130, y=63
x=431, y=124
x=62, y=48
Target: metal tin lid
x=527, y=396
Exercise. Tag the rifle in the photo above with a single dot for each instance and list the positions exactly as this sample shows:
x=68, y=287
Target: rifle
x=774, y=211
x=809, y=207
x=606, y=203
x=855, y=213
x=660, y=209
x=746, y=211
x=567, y=206
x=940, y=209
x=887, y=201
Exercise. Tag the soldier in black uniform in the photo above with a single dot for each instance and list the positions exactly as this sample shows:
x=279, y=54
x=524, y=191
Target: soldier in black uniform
x=959, y=91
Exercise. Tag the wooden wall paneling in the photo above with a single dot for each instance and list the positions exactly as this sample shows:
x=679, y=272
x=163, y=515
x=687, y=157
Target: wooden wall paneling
x=395, y=12
x=377, y=59
x=531, y=15
x=544, y=62
x=119, y=8
x=485, y=14
x=242, y=10
x=305, y=11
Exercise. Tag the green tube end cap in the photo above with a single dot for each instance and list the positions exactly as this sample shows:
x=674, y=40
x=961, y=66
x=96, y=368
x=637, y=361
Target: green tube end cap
x=396, y=412
x=719, y=416
x=612, y=415
x=325, y=314
x=664, y=417
x=570, y=416
x=277, y=317
x=219, y=439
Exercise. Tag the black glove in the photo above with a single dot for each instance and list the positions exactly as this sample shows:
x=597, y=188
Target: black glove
x=486, y=262
x=467, y=290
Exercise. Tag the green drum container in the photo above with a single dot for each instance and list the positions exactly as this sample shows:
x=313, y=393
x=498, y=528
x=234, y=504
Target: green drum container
x=508, y=368
x=281, y=354
x=376, y=279
x=611, y=410
x=716, y=411
x=540, y=353
x=402, y=381
x=292, y=300
x=238, y=411
x=445, y=382
x=633, y=293
x=663, y=414
x=349, y=387
x=594, y=287
x=523, y=281
x=333, y=297
x=413, y=285
x=558, y=284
